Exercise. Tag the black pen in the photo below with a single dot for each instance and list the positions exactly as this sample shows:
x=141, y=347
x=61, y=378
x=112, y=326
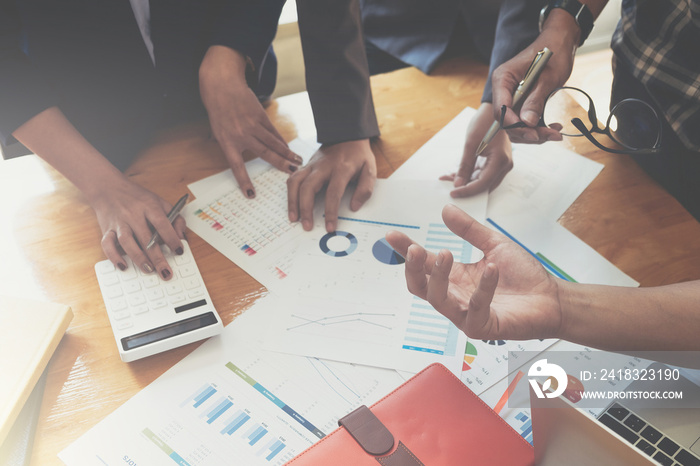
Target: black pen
x=172, y=215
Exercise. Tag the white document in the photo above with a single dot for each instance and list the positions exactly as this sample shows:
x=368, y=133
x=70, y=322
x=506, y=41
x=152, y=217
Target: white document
x=345, y=293
x=230, y=402
x=545, y=178
x=348, y=283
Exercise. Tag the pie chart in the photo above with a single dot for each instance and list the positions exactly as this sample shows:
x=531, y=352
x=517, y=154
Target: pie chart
x=384, y=253
x=338, y=243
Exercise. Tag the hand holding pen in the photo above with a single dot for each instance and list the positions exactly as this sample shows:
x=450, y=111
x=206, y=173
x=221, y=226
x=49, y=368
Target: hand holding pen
x=524, y=86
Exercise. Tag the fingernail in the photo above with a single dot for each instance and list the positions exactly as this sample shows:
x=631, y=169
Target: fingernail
x=292, y=217
x=298, y=160
x=438, y=261
x=306, y=224
x=292, y=168
x=488, y=272
x=148, y=268
x=121, y=266
x=179, y=251
x=165, y=273
x=330, y=226
x=250, y=193
x=409, y=255
x=459, y=181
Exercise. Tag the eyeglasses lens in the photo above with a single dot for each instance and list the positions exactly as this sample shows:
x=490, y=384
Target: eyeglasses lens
x=562, y=106
x=634, y=124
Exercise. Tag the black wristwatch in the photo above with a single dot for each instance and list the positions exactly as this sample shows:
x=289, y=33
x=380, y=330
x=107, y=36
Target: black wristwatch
x=580, y=12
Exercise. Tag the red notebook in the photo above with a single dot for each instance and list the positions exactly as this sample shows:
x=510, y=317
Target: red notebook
x=432, y=419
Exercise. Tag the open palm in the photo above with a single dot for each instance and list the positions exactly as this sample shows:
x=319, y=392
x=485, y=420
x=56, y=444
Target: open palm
x=506, y=295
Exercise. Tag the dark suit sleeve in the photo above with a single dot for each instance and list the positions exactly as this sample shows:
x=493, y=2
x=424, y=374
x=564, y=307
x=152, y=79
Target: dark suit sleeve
x=337, y=75
x=23, y=92
x=249, y=26
x=516, y=29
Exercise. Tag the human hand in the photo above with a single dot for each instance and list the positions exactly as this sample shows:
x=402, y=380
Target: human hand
x=506, y=295
x=334, y=167
x=126, y=212
x=238, y=121
x=486, y=171
x=561, y=35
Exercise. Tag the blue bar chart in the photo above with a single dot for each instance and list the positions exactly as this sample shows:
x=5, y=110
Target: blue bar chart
x=440, y=237
x=428, y=331
x=254, y=434
x=235, y=422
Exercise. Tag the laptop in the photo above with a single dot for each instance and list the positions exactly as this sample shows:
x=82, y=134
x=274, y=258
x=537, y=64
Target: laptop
x=625, y=433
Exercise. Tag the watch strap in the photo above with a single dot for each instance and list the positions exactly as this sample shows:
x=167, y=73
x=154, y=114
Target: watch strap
x=580, y=12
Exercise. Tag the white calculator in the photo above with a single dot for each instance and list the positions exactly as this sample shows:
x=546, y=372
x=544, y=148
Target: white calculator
x=150, y=315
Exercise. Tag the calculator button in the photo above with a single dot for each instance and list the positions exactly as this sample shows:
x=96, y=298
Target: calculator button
x=159, y=303
x=182, y=260
x=173, y=288
x=125, y=325
x=142, y=309
x=137, y=300
x=113, y=292
x=195, y=293
x=117, y=305
x=105, y=267
x=150, y=281
x=132, y=287
x=187, y=270
x=121, y=315
x=191, y=283
x=109, y=280
x=178, y=298
x=154, y=293
x=129, y=274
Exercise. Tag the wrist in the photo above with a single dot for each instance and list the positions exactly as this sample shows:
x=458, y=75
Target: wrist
x=563, y=28
x=222, y=65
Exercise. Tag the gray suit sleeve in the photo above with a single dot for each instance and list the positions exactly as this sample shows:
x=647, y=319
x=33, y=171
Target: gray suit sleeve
x=337, y=74
x=516, y=29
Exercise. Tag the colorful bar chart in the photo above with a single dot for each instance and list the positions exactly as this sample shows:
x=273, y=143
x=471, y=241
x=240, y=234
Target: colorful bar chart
x=428, y=331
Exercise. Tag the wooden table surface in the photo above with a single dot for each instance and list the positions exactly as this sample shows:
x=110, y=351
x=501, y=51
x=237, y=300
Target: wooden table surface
x=50, y=239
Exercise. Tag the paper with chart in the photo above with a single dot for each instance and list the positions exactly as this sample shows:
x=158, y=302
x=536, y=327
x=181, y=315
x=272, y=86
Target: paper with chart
x=545, y=178
x=346, y=297
x=230, y=402
x=347, y=282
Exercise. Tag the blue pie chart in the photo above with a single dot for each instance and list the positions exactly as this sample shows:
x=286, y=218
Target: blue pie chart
x=383, y=252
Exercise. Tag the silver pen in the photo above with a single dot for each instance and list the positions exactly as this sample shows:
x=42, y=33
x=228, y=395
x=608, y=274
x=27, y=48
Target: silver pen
x=172, y=215
x=536, y=67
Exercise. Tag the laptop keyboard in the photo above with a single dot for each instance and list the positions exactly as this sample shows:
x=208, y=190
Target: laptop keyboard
x=645, y=437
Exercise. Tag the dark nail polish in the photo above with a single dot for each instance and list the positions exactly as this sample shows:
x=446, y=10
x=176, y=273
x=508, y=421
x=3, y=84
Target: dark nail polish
x=179, y=251
x=292, y=168
x=121, y=266
x=165, y=274
x=251, y=193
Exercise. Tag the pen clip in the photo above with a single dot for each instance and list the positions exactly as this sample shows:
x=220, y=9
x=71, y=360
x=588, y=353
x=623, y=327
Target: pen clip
x=536, y=60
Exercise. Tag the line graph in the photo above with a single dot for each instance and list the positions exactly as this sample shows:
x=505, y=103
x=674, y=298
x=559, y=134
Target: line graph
x=342, y=319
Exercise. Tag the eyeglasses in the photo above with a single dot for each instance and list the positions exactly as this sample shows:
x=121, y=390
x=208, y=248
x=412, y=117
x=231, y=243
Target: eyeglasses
x=632, y=123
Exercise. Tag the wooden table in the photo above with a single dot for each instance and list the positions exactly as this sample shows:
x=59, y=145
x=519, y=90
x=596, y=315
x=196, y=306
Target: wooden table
x=49, y=237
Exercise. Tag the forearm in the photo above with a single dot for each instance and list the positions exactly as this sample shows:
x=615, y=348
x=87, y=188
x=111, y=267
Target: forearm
x=664, y=318
x=52, y=137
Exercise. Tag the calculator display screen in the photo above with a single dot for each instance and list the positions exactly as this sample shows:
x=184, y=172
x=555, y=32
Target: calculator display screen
x=168, y=331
